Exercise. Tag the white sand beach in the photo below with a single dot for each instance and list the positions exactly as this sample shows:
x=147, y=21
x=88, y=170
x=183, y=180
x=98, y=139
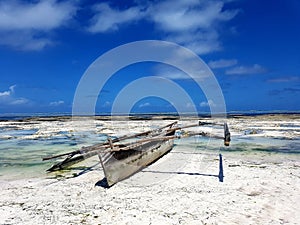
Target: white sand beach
x=260, y=187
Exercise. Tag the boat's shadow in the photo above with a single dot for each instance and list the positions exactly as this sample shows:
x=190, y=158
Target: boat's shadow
x=103, y=183
x=184, y=173
x=219, y=176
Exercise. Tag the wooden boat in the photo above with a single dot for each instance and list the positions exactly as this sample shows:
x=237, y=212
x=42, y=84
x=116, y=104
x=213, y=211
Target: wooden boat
x=122, y=160
x=87, y=152
x=126, y=161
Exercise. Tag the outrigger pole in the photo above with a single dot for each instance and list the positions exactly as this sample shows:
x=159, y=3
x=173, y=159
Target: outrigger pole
x=227, y=140
x=221, y=174
x=108, y=146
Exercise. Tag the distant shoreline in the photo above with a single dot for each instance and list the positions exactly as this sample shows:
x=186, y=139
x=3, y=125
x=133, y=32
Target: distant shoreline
x=140, y=116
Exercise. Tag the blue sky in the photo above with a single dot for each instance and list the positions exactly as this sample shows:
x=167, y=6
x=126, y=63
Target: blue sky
x=251, y=46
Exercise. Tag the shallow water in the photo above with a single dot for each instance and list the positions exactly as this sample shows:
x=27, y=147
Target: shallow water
x=21, y=157
x=24, y=144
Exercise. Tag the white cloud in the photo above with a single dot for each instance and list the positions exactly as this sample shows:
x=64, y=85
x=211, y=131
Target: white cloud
x=189, y=105
x=26, y=26
x=5, y=93
x=8, y=98
x=240, y=70
x=284, y=79
x=222, y=63
x=8, y=92
x=109, y=19
x=24, y=40
x=106, y=104
x=170, y=73
x=42, y=15
x=201, y=42
x=56, y=103
x=144, y=105
x=188, y=15
x=12, y=88
x=191, y=23
x=19, y=101
x=209, y=103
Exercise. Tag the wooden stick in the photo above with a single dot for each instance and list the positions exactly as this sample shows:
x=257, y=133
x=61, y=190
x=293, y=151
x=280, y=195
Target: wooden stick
x=183, y=127
x=136, y=143
x=160, y=138
x=115, y=148
x=109, y=143
x=106, y=144
x=210, y=123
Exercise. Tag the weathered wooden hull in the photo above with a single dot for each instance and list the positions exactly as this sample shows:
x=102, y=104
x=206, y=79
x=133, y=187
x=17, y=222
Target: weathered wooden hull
x=70, y=161
x=120, y=165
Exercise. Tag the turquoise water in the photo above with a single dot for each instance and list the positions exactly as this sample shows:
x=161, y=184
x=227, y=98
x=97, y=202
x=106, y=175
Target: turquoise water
x=22, y=147
x=266, y=144
x=243, y=143
x=23, y=157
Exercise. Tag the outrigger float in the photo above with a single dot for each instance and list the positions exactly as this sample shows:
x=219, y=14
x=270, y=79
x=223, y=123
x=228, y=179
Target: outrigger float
x=120, y=161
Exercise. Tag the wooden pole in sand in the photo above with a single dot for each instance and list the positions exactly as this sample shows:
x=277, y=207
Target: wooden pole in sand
x=221, y=174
